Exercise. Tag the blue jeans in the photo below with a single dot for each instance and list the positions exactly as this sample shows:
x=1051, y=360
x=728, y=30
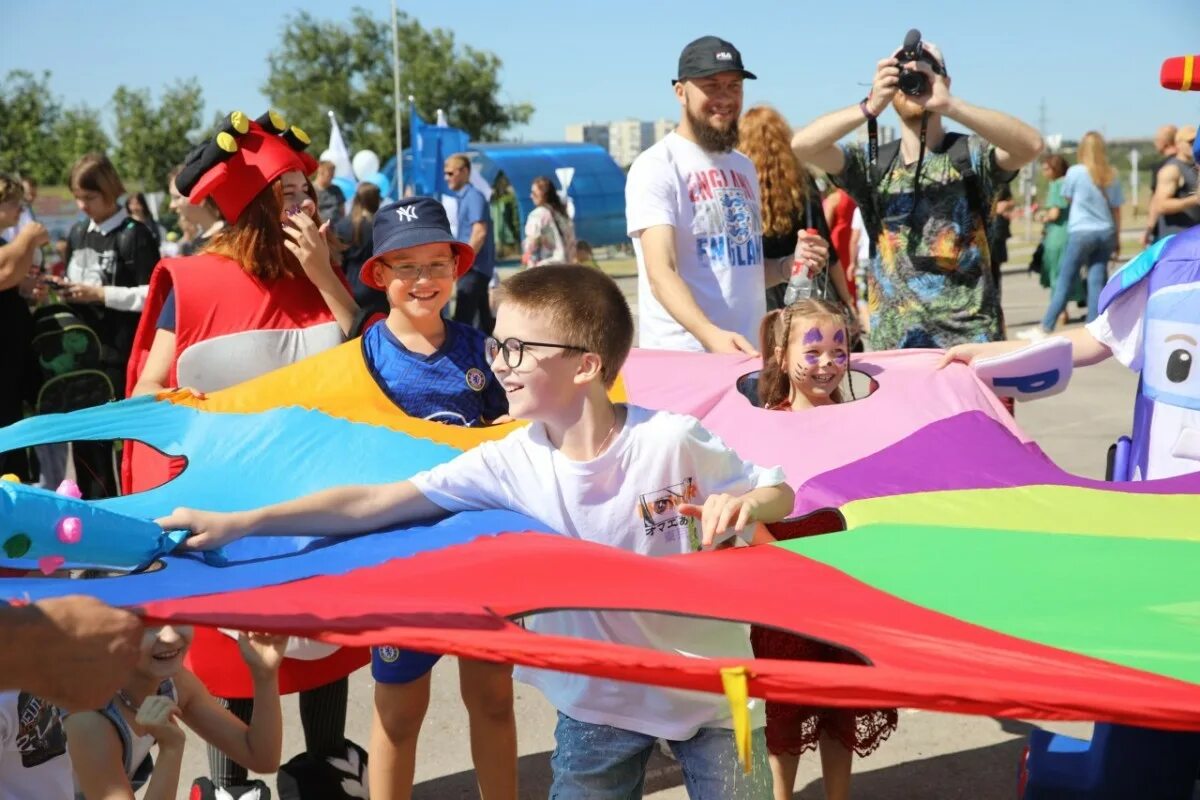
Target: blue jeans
x=1092, y=249
x=600, y=762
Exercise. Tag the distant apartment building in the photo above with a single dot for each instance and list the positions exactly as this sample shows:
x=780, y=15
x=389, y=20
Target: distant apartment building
x=590, y=132
x=624, y=139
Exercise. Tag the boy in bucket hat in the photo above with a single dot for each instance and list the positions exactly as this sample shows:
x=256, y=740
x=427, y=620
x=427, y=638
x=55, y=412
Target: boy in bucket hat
x=433, y=369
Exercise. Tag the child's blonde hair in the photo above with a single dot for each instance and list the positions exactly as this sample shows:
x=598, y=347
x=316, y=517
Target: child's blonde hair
x=774, y=383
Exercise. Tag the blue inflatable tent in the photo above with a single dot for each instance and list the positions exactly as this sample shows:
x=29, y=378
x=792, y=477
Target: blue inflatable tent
x=597, y=189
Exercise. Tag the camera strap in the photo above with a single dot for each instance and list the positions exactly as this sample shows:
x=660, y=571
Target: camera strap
x=920, y=160
x=872, y=169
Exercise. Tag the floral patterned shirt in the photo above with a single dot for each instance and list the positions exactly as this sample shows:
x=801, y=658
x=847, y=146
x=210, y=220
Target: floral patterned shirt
x=930, y=283
x=549, y=238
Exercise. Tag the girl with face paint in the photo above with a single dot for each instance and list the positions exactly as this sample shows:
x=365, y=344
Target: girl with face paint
x=806, y=354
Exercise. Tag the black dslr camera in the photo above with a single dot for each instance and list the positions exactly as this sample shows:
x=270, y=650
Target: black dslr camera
x=913, y=82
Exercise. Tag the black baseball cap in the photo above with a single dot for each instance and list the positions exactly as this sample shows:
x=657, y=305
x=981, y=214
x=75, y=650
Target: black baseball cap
x=709, y=55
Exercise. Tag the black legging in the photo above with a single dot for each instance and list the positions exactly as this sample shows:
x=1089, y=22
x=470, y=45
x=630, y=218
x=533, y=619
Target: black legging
x=322, y=713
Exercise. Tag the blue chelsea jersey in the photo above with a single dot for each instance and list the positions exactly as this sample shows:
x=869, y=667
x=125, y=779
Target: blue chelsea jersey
x=453, y=385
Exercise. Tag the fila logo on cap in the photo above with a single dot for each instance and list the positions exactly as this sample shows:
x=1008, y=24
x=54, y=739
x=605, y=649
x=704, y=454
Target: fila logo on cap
x=724, y=56
x=407, y=214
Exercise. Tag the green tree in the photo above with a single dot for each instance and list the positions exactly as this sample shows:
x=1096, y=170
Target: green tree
x=75, y=132
x=28, y=112
x=346, y=68
x=153, y=139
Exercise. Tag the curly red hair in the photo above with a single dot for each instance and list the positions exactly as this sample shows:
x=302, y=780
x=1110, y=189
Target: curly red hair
x=766, y=139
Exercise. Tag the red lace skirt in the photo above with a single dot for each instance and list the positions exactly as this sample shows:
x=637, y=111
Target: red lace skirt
x=795, y=729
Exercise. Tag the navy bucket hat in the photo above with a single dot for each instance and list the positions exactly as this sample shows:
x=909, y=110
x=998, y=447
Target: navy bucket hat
x=412, y=222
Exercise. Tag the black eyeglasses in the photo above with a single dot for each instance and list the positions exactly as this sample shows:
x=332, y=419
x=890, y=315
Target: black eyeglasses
x=514, y=349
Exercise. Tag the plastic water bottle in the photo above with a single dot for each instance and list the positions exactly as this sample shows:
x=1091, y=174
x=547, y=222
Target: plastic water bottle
x=800, y=285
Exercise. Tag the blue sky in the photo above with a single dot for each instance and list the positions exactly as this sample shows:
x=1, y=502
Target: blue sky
x=1094, y=63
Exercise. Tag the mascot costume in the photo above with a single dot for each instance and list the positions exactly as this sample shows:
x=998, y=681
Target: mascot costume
x=231, y=326
x=1150, y=322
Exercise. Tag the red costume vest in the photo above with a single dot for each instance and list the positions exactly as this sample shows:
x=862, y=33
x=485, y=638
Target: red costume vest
x=230, y=327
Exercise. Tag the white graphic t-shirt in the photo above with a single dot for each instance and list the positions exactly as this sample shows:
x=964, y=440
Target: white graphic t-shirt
x=712, y=201
x=626, y=498
x=34, y=764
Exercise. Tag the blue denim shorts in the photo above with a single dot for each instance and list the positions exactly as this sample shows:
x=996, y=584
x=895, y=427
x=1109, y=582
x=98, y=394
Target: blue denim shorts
x=600, y=762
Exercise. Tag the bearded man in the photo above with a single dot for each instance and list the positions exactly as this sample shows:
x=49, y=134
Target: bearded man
x=692, y=211
x=926, y=202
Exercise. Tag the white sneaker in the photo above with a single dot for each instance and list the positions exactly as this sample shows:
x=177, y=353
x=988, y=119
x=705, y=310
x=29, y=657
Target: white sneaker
x=1034, y=334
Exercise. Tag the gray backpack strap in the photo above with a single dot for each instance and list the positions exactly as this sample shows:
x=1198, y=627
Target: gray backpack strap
x=960, y=156
x=876, y=171
x=113, y=715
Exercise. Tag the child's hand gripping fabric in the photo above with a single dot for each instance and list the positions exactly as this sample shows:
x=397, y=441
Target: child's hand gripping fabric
x=209, y=529
x=262, y=652
x=724, y=516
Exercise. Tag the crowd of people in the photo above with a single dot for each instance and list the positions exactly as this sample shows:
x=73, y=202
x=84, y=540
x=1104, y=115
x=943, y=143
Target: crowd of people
x=738, y=249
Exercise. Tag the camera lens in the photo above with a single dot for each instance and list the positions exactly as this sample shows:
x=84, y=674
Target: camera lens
x=913, y=83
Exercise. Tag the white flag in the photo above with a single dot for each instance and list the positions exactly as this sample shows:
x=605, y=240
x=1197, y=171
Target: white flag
x=337, y=151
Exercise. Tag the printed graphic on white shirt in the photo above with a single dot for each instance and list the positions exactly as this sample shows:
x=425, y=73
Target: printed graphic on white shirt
x=727, y=220
x=40, y=734
x=659, y=511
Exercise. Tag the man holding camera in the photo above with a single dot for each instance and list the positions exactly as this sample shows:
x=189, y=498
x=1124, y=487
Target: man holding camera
x=925, y=200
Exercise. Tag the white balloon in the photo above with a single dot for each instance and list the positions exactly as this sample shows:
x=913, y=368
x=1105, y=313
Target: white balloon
x=365, y=163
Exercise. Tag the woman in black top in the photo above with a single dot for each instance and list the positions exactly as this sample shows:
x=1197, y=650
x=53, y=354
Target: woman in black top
x=137, y=207
x=354, y=232
x=790, y=203
x=17, y=377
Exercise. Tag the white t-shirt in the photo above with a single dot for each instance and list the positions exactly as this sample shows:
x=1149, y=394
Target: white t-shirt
x=864, y=240
x=34, y=764
x=1122, y=328
x=711, y=199
x=625, y=498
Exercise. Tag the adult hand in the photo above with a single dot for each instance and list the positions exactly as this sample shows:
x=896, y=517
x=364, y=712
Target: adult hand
x=308, y=244
x=938, y=99
x=73, y=651
x=83, y=293
x=157, y=718
x=966, y=353
x=885, y=85
x=262, y=652
x=208, y=529
x=812, y=252
x=35, y=233
x=721, y=512
x=722, y=341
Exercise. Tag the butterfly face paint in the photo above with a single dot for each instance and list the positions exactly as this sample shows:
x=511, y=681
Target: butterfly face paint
x=816, y=360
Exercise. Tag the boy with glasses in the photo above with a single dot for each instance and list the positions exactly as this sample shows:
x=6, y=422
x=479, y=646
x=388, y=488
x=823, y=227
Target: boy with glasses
x=650, y=482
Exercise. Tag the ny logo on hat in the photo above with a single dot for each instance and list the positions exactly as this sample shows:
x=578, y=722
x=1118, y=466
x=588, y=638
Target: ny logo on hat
x=407, y=213
x=724, y=56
